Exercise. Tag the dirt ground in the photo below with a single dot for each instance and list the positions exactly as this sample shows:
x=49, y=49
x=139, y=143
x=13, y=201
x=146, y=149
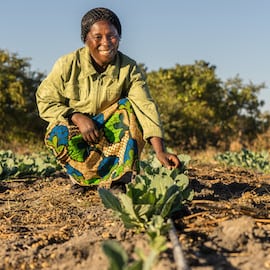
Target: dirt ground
x=227, y=225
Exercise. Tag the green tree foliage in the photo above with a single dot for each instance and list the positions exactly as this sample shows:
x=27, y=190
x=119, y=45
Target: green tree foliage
x=239, y=113
x=18, y=85
x=198, y=109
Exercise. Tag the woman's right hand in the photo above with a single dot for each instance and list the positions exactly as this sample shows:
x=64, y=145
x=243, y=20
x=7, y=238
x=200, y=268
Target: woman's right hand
x=87, y=127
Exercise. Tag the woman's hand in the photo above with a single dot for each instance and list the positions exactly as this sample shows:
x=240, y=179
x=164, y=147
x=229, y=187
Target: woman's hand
x=168, y=160
x=87, y=127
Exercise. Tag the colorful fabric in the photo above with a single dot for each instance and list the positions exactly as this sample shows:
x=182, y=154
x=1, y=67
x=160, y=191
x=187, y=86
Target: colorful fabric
x=117, y=152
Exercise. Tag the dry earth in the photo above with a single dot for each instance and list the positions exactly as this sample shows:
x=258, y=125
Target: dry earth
x=227, y=225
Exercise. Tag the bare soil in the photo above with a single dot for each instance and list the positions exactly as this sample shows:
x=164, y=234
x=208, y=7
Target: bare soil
x=227, y=225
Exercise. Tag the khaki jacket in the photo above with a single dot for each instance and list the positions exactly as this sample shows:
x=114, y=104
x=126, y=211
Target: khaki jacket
x=74, y=85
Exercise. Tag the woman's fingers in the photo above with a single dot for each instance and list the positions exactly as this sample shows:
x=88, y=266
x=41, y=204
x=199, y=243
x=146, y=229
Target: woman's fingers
x=87, y=128
x=168, y=160
x=91, y=136
x=174, y=161
x=94, y=136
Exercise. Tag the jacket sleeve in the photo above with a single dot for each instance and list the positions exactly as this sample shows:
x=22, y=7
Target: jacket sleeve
x=143, y=104
x=51, y=103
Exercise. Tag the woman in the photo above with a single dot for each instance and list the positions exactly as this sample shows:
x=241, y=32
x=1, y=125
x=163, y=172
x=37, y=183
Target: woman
x=99, y=108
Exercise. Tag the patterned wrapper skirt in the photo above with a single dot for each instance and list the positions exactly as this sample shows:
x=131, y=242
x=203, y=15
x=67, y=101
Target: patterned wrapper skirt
x=117, y=152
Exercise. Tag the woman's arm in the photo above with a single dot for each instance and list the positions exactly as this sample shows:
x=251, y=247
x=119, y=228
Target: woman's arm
x=169, y=160
x=147, y=113
x=50, y=100
x=144, y=105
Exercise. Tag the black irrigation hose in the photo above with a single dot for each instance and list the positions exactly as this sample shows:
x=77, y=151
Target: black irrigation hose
x=178, y=254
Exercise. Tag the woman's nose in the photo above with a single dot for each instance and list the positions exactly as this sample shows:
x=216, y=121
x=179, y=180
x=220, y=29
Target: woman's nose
x=105, y=40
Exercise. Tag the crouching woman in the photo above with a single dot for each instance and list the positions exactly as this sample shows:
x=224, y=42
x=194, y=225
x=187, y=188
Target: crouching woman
x=98, y=107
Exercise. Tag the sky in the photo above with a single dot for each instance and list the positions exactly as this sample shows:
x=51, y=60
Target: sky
x=232, y=35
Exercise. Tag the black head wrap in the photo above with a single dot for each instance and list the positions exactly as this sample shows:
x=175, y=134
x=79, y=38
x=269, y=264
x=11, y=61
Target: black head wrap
x=99, y=14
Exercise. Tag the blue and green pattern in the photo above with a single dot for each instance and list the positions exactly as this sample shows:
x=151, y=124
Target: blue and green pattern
x=117, y=152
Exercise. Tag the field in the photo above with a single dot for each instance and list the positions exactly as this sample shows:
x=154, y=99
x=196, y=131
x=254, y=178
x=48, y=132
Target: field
x=226, y=226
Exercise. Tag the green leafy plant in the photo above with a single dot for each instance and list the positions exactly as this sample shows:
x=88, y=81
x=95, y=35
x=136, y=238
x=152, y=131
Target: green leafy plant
x=146, y=206
x=116, y=254
x=158, y=193
x=246, y=159
x=118, y=257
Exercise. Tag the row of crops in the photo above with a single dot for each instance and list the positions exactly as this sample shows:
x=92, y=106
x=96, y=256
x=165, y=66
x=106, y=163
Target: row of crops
x=43, y=164
x=257, y=161
x=15, y=166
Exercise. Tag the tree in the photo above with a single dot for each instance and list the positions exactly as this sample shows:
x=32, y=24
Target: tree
x=239, y=111
x=198, y=109
x=18, y=84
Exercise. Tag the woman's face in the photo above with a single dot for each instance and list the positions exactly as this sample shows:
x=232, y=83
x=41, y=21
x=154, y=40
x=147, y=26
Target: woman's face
x=103, y=42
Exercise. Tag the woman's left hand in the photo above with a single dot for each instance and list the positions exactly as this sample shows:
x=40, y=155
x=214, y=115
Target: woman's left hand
x=170, y=161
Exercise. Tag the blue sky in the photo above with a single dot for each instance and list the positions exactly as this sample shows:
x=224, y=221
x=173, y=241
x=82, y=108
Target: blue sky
x=233, y=35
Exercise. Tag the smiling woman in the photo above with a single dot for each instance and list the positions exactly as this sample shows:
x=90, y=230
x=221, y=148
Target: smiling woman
x=99, y=109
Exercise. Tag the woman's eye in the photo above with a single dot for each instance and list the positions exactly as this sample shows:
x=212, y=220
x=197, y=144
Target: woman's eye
x=113, y=36
x=97, y=38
